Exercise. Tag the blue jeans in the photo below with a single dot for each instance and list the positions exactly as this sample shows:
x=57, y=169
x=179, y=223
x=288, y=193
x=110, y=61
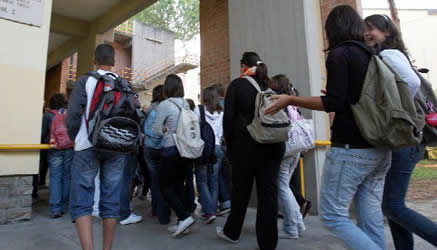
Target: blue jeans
x=355, y=175
x=402, y=220
x=159, y=205
x=207, y=183
x=128, y=173
x=84, y=169
x=60, y=177
x=287, y=202
x=223, y=182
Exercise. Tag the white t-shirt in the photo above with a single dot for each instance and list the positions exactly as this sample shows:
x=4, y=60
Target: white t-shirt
x=81, y=142
x=399, y=63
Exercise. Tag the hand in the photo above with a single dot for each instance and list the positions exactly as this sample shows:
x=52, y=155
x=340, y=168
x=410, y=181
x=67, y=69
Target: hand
x=281, y=101
x=323, y=91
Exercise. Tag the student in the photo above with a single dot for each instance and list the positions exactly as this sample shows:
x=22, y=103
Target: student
x=152, y=156
x=87, y=161
x=250, y=160
x=403, y=221
x=173, y=167
x=224, y=193
x=59, y=157
x=207, y=174
x=354, y=171
x=190, y=196
x=292, y=218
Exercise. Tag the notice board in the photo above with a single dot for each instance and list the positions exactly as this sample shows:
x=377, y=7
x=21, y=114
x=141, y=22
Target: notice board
x=23, y=11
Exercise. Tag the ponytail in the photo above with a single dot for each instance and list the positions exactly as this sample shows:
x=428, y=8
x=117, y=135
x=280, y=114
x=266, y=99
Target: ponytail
x=262, y=72
x=251, y=59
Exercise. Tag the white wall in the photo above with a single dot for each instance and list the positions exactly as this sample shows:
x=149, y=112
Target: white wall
x=23, y=56
x=419, y=31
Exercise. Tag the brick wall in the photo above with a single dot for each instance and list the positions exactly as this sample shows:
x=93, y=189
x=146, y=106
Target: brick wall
x=15, y=198
x=123, y=57
x=327, y=5
x=214, y=33
x=52, y=83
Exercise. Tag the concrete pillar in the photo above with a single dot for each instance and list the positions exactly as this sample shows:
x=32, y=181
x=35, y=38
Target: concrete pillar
x=87, y=47
x=287, y=35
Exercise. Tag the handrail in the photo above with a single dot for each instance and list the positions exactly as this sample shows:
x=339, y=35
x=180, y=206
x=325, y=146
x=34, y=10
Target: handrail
x=13, y=147
x=323, y=143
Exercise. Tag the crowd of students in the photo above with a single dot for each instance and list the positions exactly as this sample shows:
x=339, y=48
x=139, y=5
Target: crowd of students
x=101, y=183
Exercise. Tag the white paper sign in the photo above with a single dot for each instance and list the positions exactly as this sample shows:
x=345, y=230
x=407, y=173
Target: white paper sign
x=23, y=11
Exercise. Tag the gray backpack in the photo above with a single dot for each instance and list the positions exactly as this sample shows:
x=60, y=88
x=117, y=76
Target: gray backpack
x=385, y=113
x=266, y=129
x=426, y=103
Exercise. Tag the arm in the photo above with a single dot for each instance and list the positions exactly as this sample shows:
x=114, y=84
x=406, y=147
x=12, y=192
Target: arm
x=76, y=108
x=46, y=123
x=161, y=116
x=230, y=112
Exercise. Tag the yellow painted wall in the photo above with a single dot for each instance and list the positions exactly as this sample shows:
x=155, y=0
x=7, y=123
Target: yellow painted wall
x=23, y=56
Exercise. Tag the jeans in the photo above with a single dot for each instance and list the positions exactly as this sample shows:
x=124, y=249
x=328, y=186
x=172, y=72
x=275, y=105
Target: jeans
x=287, y=202
x=84, y=168
x=60, y=177
x=207, y=183
x=224, y=195
x=159, y=205
x=173, y=169
x=355, y=175
x=128, y=173
x=403, y=221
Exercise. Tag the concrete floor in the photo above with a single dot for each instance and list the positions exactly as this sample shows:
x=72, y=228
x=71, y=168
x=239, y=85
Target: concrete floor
x=45, y=233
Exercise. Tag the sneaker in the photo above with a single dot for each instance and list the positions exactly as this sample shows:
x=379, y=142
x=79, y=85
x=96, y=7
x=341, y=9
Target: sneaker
x=132, y=219
x=209, y=218
x=183, y=226
x=57, y=215
x=224, y=211
x=283, y=235
x=222, y=235
x=172, y=229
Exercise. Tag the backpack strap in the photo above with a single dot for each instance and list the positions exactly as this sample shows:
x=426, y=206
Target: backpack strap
x=253, y=82
x=178, y=105
x=202, y=114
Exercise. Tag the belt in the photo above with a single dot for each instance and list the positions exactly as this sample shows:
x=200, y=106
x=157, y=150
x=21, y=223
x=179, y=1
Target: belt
x=349, y=146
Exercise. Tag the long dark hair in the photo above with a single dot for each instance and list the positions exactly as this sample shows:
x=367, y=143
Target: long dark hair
x=157, y=95
x=58, y=101
x=173, y=87
x=210, y=98
x=252, y=59
x=385, y=24
x=342, y=24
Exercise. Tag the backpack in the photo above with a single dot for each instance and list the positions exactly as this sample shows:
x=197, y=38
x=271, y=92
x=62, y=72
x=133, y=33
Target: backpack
x=426, y=104
x=385, y=113
x=208, y=136
x=187, y=137
x=114, y=115
x=58, y=130
x=267, y=129
x=152, y=140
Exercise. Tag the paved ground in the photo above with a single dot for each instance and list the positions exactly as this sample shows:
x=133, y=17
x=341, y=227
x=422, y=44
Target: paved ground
x=45, y=233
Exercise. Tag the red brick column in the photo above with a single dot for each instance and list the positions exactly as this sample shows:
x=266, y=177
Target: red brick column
x=327, y=5
x=214, y=36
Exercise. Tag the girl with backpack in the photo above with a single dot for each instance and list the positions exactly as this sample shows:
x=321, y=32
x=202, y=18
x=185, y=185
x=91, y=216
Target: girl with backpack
x=293, y=220
x=153, y=146
x=354, y=171
x=250, y=160
x=59, y=157
x=210, y=113
x=403, y=222
x=173, y=167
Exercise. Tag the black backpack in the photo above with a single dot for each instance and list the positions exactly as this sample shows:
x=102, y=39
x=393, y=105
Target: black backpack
x=114, y=115
x=208, y=136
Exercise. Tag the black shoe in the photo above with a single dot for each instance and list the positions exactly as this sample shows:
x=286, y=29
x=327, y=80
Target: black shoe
x=305, y=208
x=224, y=211
x=57, y=215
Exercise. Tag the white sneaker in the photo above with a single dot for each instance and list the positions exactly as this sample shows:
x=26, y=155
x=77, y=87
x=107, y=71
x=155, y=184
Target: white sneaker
x=283, y=235
x=132, y=219
x=221, y=234
x=172, y=229
x=183, y=226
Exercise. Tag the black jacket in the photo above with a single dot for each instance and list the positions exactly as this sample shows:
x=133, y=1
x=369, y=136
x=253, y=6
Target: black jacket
x=76, y=107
